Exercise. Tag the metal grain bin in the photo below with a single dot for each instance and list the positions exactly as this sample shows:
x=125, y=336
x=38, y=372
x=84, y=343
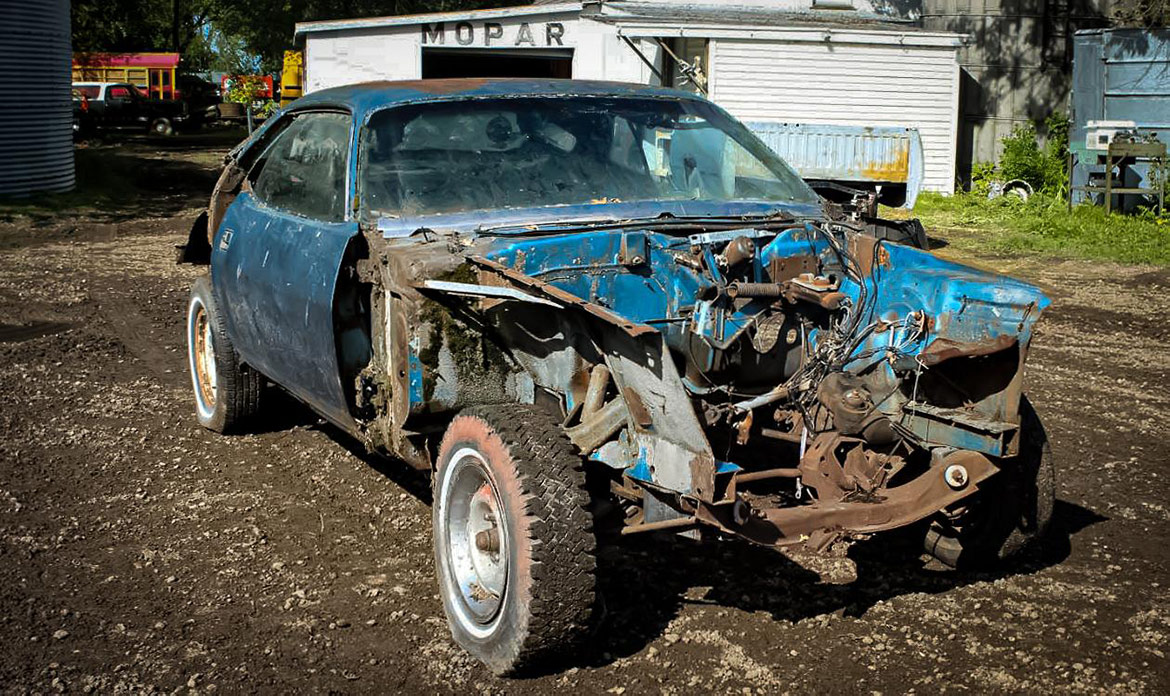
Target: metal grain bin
x=36, y=106
x=857, y=156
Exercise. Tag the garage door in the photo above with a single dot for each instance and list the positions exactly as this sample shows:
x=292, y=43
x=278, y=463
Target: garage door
x=846, y=84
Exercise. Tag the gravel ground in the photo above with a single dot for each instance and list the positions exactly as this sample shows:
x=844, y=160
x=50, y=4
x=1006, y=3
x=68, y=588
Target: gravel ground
x=139, y=552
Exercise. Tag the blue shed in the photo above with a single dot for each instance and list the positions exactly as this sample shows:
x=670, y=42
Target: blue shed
x=1121, y=82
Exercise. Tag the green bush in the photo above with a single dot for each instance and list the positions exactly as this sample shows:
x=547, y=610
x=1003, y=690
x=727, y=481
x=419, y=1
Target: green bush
x=1043, y=168
x=982, y=174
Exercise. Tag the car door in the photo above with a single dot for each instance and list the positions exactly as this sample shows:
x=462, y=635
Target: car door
x=277, y=254
x=117, y=107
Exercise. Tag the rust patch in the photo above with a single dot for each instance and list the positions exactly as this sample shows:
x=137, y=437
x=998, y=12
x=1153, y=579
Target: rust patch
x=453, y=85
x=637, y=408
x=789, y=267
x=941, y=349
x=869, y=251
x=896, y=169
x=544, y=289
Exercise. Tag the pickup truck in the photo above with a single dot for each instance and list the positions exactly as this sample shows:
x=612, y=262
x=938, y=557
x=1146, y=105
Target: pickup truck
x=122, y=106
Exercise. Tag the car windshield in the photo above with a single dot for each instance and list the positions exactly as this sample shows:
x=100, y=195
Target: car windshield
x=486, y=154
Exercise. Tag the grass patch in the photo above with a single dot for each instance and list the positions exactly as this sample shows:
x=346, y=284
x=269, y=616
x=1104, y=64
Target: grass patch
x=1045, y=225
x=104, y=183
x=134, y=177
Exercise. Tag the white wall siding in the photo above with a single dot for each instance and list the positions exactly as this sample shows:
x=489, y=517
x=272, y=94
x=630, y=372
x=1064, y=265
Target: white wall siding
x=346, y=57
x=841, y=83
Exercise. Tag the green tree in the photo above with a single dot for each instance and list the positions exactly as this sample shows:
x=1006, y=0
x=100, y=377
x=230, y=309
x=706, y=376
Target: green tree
x=267, y=26
x=140, y=25
x=220, y=34
x=1150, y=14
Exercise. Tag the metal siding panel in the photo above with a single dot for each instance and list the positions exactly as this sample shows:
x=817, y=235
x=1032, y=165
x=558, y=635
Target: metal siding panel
x=848, y=153
x=36, y=109
x=846, y=84
x=348, y=57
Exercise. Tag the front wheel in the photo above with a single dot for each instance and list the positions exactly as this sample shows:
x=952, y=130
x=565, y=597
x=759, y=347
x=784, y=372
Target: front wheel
x=162, y=126
x=1008, y=514
x=514, y=544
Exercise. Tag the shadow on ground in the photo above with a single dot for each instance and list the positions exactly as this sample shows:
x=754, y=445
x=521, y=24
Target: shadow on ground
x=645, y=583
x=128, y=178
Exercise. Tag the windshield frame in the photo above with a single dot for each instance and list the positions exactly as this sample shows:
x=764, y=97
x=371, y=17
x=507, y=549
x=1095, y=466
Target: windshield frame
x=715, y=115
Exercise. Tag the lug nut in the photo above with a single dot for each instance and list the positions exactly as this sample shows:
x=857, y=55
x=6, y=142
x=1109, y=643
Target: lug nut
x=488, y=541
x=956, y=476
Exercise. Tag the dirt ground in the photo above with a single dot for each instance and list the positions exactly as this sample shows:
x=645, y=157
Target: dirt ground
x=139, y=552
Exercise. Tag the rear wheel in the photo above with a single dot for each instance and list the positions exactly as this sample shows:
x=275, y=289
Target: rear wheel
x=514, y=545
x=1008, y=514
x=162, y=126
x=227, y=393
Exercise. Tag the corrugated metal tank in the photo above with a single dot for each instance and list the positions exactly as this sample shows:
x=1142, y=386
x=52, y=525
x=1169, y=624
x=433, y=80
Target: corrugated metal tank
x=36, y=106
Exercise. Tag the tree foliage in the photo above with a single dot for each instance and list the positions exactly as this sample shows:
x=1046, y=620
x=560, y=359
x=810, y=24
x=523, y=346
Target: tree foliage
x=1150, y=14
x=139, y=25
x=226, y=34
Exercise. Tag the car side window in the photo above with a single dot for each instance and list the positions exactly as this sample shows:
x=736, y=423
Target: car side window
x=302, y=171
x=118, y=93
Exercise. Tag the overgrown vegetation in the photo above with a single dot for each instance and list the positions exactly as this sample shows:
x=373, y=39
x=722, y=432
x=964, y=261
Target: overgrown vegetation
x=1045, y=225
x=225, y=35
x=1024, y=159
x=1150, y=14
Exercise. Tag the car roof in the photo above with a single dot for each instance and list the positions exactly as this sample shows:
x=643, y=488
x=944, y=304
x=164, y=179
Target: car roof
x=370, y=96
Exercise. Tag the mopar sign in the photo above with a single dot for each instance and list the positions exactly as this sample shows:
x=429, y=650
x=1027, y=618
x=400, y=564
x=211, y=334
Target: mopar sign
x=494, y=34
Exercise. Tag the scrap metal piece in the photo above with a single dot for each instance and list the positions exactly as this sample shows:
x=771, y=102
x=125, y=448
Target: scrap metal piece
x=473, y=290
x=895, y=507
x=943, y=348
x=540, y=287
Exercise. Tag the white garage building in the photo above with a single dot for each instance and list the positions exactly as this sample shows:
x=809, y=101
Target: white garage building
x=828, y=62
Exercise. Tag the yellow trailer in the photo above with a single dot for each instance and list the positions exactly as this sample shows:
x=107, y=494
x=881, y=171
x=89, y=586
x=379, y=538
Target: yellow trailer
x=292, y=77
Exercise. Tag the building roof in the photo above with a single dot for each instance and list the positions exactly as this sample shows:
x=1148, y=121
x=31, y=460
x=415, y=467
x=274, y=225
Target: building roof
x=370, y=96
x=126, y=60
x=743, y=15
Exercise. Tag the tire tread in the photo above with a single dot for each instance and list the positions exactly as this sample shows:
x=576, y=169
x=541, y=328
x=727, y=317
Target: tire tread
x=564, y=563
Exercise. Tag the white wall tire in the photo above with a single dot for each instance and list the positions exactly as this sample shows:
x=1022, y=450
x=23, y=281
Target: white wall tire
x=514, y=545
x=226, y=392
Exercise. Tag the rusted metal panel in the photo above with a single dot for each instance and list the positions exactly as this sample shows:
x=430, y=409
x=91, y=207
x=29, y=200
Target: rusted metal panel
x=853, y=154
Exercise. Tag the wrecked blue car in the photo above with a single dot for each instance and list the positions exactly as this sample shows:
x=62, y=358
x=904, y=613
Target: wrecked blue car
x=594, y=309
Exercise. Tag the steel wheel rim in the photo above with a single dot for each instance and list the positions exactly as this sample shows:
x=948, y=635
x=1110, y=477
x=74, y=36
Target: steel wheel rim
x=475, y=541
x=203, y=358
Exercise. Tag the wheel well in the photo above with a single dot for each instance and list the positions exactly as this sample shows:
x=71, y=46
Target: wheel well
x=351, y=320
